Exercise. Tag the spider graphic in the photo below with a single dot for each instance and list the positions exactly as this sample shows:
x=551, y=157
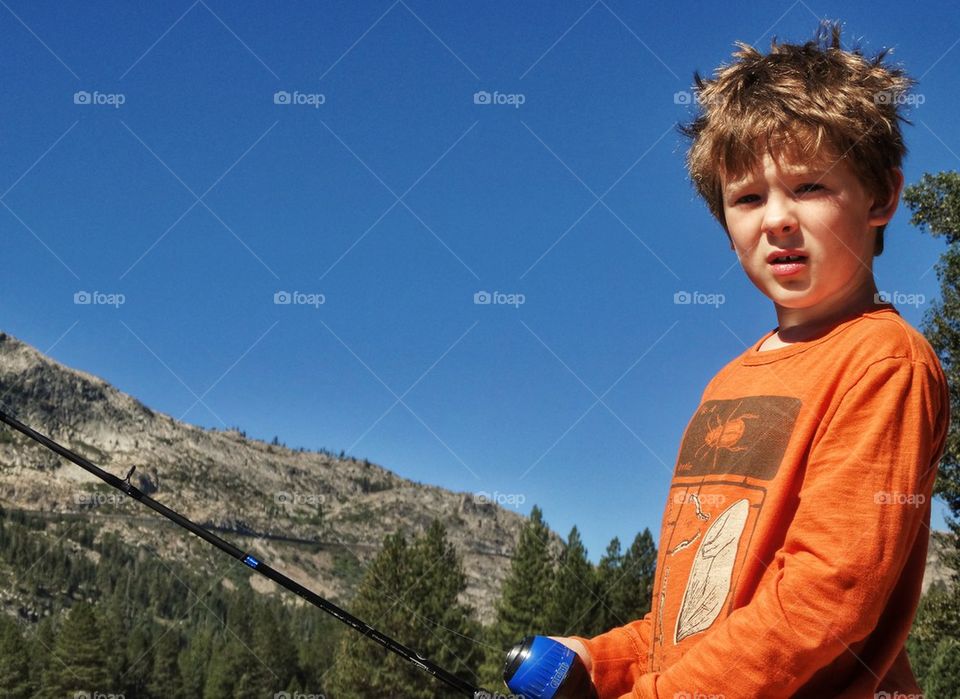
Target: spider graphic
x=725, y=434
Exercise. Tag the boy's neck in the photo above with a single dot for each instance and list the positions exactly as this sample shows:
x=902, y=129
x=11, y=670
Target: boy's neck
x=802, y=324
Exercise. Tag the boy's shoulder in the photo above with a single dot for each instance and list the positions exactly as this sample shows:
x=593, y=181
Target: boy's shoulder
x=846, y=350
x=882, y=334
x=871, y=336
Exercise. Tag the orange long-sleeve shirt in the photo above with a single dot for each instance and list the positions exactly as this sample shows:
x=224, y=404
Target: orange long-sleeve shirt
x=795, y=531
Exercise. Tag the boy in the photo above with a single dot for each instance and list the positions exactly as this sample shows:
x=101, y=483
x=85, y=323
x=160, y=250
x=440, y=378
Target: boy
x=795, y=533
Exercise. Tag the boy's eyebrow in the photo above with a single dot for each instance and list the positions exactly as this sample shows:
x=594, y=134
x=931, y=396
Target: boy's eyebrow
x=808, y=171
x=738, y=183
x=813, y=171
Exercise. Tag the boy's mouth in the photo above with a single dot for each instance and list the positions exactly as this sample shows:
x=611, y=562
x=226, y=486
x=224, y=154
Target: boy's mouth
x=787, y=262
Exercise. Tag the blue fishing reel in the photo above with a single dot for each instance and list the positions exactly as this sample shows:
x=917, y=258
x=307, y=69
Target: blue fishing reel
x=541, y=668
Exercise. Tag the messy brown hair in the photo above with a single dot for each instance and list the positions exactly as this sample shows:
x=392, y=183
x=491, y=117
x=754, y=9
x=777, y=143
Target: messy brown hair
x=812, y=102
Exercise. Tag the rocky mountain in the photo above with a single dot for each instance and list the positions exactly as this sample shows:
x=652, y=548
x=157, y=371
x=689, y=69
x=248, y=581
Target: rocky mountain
x=936, y=571
x=313, y=515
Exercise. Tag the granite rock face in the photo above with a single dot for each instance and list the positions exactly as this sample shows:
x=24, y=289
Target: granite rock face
x=313, y=515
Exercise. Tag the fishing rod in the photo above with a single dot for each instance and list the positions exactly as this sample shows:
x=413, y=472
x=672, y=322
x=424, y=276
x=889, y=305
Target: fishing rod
x=537, y=667
x=125, y=486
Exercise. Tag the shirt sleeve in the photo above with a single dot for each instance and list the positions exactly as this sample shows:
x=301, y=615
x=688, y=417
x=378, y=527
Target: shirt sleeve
x=619, y=656
x=864, y=498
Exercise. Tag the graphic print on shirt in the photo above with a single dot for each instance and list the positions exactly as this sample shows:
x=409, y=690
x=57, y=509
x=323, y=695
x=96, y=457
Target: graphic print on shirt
x=744, y=436
x=713, y=507
x=709, y=580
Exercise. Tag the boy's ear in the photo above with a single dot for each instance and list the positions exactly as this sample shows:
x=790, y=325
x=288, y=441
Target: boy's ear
x=882, y=211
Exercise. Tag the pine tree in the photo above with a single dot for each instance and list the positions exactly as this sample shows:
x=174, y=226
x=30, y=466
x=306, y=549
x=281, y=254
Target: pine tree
x=944, y=676
x=521, y=610
x=127, y=642
x=320, y=636
x=409, y=592
x=935, y=203
x=445, y=628
x=164, y=679
x=229, y=673
x=938, y=617
x=273, y=647
x=572, y=595
x=194, y=661
x=137, y=656
x=632, y=595
x=14, y=665
x=604, y=615
x=80, y=652
x=39, y=647
x=624, y=583
x=361, y=668
x=235, y=670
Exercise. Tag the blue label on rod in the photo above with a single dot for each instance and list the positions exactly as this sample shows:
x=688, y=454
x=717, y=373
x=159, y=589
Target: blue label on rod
x=251, y=561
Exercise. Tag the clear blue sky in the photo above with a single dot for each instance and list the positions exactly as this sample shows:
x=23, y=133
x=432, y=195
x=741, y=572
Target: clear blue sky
x=179, y=182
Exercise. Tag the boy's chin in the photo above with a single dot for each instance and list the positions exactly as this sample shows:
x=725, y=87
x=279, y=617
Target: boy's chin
x=807, y=303
x=792, y=304
x=812, y=306
x=792, y=299
x=788, y=298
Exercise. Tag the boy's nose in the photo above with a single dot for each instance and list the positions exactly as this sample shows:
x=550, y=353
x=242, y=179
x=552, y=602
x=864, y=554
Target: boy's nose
x=778, y=216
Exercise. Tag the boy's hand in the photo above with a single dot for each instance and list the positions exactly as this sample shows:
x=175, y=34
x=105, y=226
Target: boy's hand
x=578, y=648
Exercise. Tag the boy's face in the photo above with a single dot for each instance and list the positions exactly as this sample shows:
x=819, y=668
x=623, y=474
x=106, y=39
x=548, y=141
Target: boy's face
x=820, y=213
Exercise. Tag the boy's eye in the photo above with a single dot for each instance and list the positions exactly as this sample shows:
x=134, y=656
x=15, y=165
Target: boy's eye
x=802, y=189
